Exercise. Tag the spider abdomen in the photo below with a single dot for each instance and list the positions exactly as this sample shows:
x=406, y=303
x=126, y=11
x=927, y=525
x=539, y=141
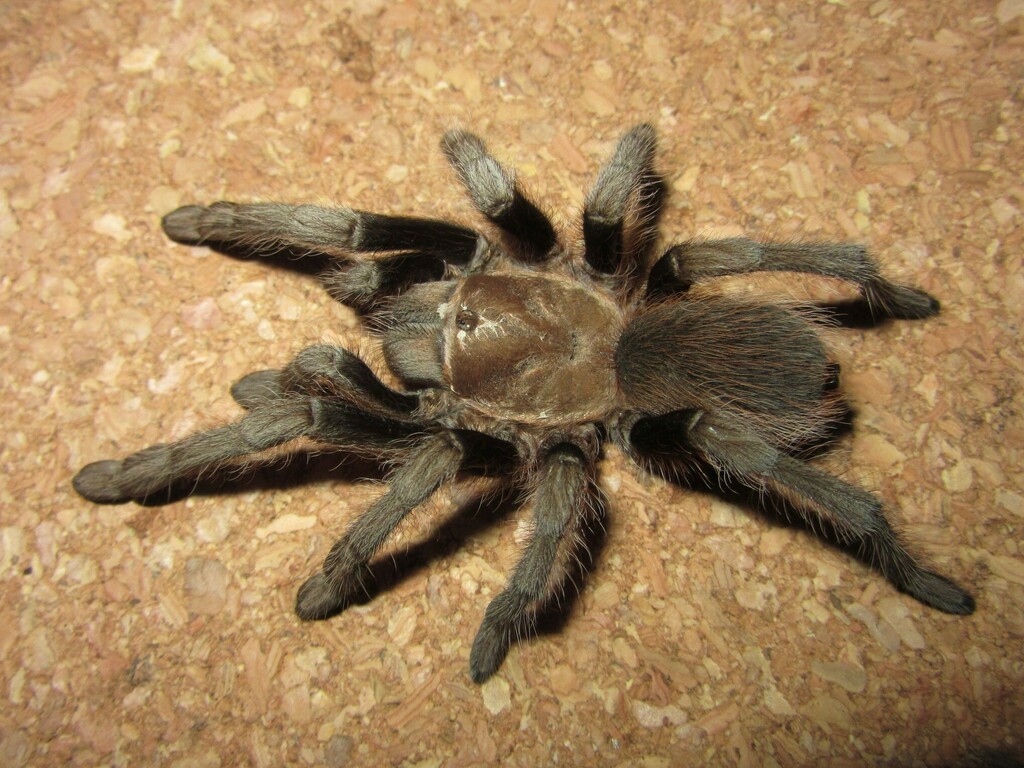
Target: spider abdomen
x=764, y=363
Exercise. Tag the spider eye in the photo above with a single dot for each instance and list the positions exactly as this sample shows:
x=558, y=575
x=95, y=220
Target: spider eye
x=466, y=320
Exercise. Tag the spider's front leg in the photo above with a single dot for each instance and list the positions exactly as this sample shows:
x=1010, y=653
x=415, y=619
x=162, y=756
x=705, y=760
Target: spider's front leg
x=855, y=515
x=691, y=262
x=560, y=503
x=337, y=231
x=420, y=248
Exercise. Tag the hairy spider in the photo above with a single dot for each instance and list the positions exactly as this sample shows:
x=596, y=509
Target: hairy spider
x=522, y=348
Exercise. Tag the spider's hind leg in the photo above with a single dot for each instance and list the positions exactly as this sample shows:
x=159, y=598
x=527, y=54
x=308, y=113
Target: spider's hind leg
x=691, y=262
x=855, y=515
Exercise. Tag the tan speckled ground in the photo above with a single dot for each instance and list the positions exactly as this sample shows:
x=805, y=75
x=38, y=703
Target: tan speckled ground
x=164, y=635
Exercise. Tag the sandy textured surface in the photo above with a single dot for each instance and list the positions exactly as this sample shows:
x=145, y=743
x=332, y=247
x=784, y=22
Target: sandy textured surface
x=164, y=635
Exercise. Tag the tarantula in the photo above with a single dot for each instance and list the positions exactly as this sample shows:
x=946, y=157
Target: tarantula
x=522, y=351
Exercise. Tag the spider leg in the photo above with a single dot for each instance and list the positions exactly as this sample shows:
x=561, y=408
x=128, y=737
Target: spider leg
x=326, y=393
x=426, y=246
x=156, y=468
x=687, y=263
x=627, y=186
x=270, y=424
x=431, y=462
x=497, y=196
x=559, y=503
x=362, y=284
x=337, y=231
x=329, y=371
x=855, y=515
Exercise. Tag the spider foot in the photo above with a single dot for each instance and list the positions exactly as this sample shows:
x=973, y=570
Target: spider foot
x=939, y=592
x=257, y=388
x=182, y=224
x=899, y=302
x=98, y=482
x=322, y=597
x=489, y=650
